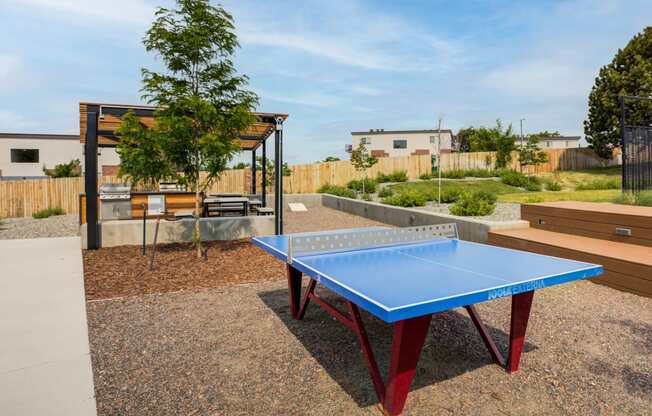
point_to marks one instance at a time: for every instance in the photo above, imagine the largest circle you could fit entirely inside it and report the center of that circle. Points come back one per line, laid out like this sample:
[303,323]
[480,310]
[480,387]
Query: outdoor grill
[115,201]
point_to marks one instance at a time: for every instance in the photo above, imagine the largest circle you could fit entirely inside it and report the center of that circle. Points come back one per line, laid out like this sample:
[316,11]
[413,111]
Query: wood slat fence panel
[23,198]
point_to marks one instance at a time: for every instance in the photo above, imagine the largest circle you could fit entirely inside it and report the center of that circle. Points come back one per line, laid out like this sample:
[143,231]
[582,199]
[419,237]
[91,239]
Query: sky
[335,66]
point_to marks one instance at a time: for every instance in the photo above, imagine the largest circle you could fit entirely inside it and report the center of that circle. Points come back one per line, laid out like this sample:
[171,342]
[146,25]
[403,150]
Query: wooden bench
[615,236]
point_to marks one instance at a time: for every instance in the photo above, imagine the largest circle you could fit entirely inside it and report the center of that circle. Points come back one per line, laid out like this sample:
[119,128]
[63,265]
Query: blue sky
[335,66]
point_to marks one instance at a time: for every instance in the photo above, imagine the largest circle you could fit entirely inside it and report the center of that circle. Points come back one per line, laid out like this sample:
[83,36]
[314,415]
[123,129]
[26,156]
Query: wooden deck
[591,232]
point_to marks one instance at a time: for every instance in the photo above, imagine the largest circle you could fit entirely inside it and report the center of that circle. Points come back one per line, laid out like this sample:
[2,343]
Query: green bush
[532,185]
[513,178]
[356,185]
[385,192]
[382,178]
[450,195]
[406,199]
[366,197]
[470,173]
[337,191]
[534,199]
[398,176]
[643,198]
[598,184]
[474,204]
[48,212]
[426,176]
[553,185]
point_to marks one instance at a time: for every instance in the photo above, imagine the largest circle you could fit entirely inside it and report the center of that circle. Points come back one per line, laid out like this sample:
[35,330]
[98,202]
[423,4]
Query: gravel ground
[56,226]
[503,211]
[236,351]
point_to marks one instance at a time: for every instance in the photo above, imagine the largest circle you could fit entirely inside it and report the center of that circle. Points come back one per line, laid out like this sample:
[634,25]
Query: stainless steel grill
[115,201]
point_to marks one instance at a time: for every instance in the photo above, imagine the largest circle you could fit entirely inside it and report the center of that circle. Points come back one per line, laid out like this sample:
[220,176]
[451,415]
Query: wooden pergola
[99,121]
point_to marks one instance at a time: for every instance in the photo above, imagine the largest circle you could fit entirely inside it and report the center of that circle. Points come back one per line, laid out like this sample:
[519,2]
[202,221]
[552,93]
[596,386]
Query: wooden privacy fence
[23,198]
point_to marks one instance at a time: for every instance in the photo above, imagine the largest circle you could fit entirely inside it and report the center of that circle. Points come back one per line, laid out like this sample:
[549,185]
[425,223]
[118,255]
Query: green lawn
[430,186]
[608,195]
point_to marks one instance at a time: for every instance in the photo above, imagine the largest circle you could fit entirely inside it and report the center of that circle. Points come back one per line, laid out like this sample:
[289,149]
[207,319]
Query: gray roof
[39,136]
[561,138]
[379,131]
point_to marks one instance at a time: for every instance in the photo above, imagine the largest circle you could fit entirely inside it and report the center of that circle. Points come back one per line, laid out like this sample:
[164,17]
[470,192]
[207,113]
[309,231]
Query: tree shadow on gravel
[453,346]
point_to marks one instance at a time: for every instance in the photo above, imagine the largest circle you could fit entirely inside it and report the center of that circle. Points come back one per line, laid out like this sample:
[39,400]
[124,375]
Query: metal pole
[151,262]
[622,143]
[439,161]
[278,177]
[90,181]
[263,167]
[253,171]
[522,120]
[144,228]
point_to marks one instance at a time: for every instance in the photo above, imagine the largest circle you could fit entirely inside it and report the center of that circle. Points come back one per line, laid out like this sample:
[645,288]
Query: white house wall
[382,141]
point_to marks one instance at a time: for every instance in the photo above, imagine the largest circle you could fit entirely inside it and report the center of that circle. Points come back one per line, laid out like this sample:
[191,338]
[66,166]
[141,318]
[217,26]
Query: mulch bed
[123,271]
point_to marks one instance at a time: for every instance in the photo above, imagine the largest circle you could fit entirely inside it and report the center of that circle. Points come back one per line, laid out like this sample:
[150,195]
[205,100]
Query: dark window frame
[22,155]
[402,144]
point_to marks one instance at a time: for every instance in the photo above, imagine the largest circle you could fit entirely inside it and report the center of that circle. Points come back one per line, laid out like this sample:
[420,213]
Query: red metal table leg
[294,290]
[521,305]
[486,337]
[407,342]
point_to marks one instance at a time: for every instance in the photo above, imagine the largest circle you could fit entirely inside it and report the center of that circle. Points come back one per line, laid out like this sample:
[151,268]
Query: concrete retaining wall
[130,232]
[469,229]
[309,200]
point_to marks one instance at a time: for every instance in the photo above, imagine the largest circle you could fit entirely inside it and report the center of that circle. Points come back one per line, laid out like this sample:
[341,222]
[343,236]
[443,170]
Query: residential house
[382,143]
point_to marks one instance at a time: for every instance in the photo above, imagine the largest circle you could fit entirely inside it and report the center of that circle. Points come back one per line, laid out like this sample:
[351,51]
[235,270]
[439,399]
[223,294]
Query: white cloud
[121,11]
[541,79]
[318,100]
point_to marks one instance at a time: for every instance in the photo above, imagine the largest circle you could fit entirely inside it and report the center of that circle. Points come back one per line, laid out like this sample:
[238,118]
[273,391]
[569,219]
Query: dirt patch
[123,271]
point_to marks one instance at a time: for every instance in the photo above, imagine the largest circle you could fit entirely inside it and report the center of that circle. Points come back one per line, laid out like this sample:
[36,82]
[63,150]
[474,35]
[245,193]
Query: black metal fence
[636,125]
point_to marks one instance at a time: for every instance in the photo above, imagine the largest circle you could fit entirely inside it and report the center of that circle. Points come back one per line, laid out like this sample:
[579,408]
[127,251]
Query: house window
[365,140]
[400,144]
[548,144]
[566,143]
[433,140]
[24,155]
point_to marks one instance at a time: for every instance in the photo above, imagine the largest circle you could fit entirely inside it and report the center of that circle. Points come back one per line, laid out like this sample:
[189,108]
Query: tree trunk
[197,233]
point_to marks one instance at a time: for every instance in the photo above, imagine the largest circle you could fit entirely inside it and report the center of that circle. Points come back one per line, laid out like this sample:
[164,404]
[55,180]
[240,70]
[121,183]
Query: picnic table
[223,205]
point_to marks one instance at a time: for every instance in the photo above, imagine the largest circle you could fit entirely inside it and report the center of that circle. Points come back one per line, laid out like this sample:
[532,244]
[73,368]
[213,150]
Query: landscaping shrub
[532,185]
[356,185]
[382,178]
[398,176]
[553,185]
[598,184]
[474,204]
[366,197]
[406,199]
[450,195]
[513,178]
[534,199]
[470,173]
[337,191]
[643,198]
[385,192]
[48,212]
[426,176]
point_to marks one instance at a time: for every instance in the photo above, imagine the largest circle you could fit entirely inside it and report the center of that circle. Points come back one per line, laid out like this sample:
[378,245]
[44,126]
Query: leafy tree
[71,169]
[629,73]
[461,139]
[362,161]
[332,159]
[530,154]
[241,165]
[494,139]
[202,104]
[270,169]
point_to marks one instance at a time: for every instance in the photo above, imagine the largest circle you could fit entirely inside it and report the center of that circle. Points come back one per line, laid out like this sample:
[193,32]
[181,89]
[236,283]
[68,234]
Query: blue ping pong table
[403,276]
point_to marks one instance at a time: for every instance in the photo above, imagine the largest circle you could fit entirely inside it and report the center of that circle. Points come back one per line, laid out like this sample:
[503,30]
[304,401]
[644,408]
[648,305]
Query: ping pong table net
[347,240]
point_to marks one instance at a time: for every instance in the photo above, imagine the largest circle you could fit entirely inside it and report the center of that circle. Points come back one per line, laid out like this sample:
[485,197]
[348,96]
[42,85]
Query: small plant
[513,178]
[48,212]
[426,176]
[366,197]
[398,176]
[629,198]
[599,184]
[470,173]
[385,192]
[382,178]
[406,199]
[532,185]
[553,185]
[368,185]
[454,174]
[534,199]
[451,195]
[337,191]
[474,204]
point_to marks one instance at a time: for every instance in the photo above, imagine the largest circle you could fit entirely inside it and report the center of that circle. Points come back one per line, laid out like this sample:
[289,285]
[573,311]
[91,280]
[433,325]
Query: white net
[343,240]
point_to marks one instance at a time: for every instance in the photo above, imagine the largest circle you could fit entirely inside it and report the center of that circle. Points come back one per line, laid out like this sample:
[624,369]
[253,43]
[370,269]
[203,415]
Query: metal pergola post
[278,176]
[263,167]
[623,186]
[90,181]
[253,171]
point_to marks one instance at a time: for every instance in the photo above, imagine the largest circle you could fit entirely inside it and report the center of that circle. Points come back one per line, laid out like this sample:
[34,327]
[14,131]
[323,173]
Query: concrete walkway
[45,366]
